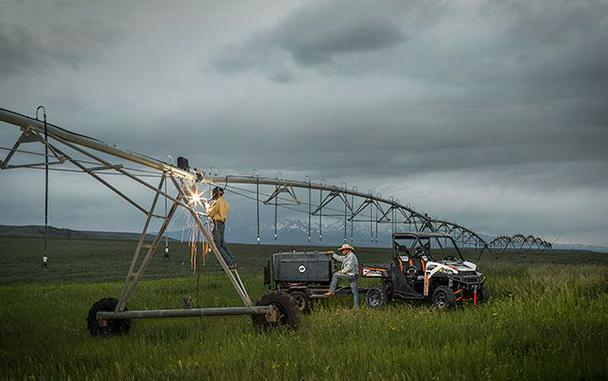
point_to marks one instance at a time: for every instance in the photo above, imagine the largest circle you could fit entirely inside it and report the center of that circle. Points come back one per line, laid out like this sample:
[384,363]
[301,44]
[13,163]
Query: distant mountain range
[38,231]
[289,232]
[295,232]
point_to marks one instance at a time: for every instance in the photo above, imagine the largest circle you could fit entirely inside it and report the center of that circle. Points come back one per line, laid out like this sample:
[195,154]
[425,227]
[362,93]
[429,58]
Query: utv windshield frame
[422,243]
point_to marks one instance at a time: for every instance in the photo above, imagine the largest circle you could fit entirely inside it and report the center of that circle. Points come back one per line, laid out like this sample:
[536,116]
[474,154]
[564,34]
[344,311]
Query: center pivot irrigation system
[98,159]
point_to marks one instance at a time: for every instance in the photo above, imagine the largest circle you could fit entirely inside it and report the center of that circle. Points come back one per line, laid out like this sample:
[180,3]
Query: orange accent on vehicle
[423,265]
[373,268]
[426,284]
[459,299]
[458,291]
[475,297]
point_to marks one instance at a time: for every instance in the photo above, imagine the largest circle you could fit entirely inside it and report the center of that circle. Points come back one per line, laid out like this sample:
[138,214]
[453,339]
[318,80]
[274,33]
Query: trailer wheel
[108,327]
[443,298]
[376,297]
[288,312]
[302,301]
[484,295]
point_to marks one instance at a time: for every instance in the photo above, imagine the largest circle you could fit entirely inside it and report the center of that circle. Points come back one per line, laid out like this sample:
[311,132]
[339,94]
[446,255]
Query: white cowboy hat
[346,246]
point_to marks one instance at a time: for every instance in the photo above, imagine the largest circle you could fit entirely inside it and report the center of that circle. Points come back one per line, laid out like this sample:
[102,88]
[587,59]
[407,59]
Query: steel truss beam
[31,132]
[387,210]
[519,243]
[280,189]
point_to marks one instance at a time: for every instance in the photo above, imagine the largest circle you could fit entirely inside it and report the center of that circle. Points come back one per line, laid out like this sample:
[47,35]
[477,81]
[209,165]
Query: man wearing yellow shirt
[218,212]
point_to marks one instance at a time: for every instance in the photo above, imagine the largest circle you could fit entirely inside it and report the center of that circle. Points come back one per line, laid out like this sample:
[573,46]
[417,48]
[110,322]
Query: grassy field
[548,320]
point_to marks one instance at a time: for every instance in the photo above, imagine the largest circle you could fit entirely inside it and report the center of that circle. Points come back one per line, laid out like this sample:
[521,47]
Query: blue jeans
[353,285]
[218,237]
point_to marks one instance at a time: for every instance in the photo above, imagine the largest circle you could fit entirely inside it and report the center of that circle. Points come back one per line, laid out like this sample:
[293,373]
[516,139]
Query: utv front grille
[469,277]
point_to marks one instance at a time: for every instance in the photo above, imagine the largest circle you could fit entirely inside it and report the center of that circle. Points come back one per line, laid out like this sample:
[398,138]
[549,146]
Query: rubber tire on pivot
[443,298]
[376,297]
[285,303]
[302,301]
[113,327]
[483,295]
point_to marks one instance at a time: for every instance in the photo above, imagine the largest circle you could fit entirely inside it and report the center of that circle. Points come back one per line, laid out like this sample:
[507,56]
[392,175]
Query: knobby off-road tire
[376,297]
[112,327]
[443,298]
[484,295]
[302,301]
[287,307]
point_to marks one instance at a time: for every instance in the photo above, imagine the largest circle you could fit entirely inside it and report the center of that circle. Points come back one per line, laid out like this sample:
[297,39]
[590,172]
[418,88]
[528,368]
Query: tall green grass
[548,320]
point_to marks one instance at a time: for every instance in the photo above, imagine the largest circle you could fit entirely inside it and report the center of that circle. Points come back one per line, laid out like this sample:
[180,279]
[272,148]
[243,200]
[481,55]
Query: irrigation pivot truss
[94,158]
[320,201]
[346,204]
[518,243]
[178,186]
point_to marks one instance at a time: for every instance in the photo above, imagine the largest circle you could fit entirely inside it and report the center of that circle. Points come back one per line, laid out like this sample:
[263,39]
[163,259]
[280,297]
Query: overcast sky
[492,113]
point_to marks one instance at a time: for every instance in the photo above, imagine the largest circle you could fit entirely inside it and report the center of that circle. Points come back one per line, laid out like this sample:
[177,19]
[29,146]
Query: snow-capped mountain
[293,231]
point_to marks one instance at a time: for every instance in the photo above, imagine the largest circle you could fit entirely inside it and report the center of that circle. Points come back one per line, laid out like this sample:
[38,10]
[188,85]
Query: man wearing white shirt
[350,271]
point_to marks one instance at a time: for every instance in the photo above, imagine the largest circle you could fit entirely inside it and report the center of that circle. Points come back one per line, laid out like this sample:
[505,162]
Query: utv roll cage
[418,244]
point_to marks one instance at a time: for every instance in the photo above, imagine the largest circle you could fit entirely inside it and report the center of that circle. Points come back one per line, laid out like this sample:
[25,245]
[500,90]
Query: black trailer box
[302,267]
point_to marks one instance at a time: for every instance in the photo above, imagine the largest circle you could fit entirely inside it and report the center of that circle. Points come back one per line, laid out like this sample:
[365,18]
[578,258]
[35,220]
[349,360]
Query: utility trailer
[305,276]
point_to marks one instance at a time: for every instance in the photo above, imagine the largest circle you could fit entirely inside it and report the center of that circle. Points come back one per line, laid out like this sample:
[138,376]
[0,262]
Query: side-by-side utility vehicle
[426,266]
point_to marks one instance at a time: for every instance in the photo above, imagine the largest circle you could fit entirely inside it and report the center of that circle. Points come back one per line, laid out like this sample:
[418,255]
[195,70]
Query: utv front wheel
[376,297]
[443,298]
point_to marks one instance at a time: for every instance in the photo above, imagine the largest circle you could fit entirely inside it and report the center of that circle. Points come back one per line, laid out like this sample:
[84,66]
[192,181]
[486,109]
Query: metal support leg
[233,275]
[140,243]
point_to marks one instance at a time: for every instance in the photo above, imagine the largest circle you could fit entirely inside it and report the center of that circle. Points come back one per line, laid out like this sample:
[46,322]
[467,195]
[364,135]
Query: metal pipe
[300,184]
[46,184]
[257,206]
[179,313]
[26,122]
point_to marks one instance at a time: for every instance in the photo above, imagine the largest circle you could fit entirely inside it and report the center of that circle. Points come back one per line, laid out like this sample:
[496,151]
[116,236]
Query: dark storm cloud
[37,44]
[317,33]
[321,33]
[491,113]
[18,50]
[503,83]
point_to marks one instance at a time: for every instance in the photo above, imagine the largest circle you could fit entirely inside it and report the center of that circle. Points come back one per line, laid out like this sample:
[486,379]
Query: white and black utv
[426,266]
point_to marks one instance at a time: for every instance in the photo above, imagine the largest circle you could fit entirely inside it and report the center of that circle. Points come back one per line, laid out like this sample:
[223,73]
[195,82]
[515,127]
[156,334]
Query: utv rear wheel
[443,298]
[286,312]
[302,301]
[376,297]
[106,328]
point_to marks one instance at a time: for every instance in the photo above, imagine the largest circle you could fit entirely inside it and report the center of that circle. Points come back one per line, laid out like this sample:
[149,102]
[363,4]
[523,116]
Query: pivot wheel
[376,297]
[106,328]
[285,313]
[443,298]
[302,301]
